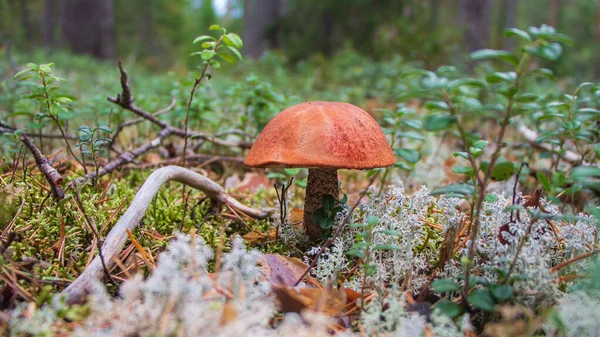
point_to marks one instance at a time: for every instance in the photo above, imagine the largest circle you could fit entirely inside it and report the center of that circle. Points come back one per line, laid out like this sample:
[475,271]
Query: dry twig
[118,235]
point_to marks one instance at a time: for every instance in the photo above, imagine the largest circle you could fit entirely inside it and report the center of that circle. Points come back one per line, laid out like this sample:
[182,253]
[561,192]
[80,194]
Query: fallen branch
[52,176]
[125,100]
[116,238]
[141,119]
[195,159]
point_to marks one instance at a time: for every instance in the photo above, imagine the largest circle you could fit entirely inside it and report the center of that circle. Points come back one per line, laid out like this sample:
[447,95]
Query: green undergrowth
[41,225]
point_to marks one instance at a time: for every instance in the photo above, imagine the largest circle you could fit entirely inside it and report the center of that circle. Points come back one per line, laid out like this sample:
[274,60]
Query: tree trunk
[512,12]
[49,23]
[26,22]
[476,14]
[88,27]
[260,31]
[434,17]
[597,39]
[553,11]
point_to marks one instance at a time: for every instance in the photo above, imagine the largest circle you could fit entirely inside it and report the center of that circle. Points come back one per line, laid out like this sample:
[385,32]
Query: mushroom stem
[320,182]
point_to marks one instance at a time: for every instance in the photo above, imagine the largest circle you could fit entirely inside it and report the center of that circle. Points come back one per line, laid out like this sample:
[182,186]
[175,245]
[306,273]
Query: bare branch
[117,236]
[52,176]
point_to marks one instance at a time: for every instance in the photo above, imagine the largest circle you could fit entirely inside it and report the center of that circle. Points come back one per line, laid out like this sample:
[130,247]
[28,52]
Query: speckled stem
[320,182]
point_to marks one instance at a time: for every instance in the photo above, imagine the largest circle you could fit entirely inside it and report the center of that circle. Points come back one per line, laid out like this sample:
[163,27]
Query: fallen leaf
[296,215]
[228,314]
[283,270]
[252,182]
[256,236]
[327,301]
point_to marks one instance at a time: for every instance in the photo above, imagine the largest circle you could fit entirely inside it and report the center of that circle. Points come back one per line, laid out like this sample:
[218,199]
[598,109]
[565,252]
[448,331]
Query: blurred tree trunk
[597,39]
[49,23]
[434,17]
[26,21]
[512,12]
[88,27]
[475,20]
[260,31]
[553,11]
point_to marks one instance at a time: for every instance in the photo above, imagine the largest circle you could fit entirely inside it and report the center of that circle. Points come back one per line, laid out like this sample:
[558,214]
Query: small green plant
[402,125]
[454,101]
[53,105]
[259,100]
[288,173]
[92,145]
[325,216]
[226,47]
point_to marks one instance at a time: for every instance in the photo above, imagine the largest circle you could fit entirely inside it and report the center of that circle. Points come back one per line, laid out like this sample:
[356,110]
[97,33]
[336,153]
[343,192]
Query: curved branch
[117,236]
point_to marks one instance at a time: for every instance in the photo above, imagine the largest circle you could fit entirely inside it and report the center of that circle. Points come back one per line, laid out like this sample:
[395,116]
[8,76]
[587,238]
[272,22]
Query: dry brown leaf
[327,301]
[228,314]
[256,236]
[252,182]
[296,215]
[283,270]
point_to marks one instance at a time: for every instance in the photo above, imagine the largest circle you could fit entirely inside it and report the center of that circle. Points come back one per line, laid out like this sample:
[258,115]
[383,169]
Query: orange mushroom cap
[324,135]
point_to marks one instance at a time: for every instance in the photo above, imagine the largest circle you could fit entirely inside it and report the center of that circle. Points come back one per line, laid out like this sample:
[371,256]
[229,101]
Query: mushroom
[323,137]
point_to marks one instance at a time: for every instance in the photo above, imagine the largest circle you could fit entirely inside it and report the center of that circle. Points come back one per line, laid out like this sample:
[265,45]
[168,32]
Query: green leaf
[21,73]
[356,253]
[436,105]
[482,299]
[584,172]
[45,68]
[444,286]
[235,52]
[461,154]
[410,155]
[449,308]
[526,98]
[413,124]
[437,122]
[463,189]
[411,135]
[543,179]
[550,52]
[276,175]
[105,128]
[501,292]
[215,27]
[523,35]
[203,38]
[502,170]
[233,40]
[228,58]
[471,82]
[207,54]
[328,202]
[543,72]
[468,170]
[498,77]
[387,247]
[480,144]
[372,220]
[33,66]
[495,54]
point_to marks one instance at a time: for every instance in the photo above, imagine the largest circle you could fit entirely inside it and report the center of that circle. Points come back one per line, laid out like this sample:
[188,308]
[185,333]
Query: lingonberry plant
[53,105]
[505,97]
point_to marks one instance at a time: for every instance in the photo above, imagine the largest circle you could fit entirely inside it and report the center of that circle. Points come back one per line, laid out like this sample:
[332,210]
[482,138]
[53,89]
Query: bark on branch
[116,238]
[52,176]
[125,100]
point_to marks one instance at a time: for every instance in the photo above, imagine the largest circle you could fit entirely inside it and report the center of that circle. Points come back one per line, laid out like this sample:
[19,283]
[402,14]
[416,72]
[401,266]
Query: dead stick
[118,235]
[52,176]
